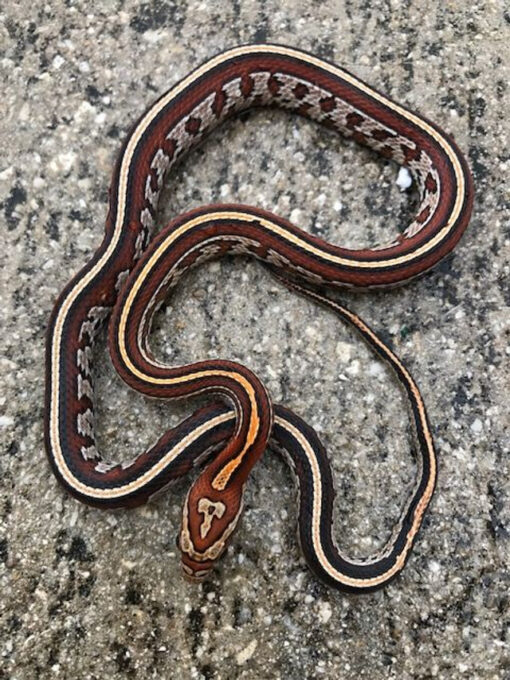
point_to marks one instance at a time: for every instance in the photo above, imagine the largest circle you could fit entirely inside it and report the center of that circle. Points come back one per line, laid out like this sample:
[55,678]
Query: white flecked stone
[89,593]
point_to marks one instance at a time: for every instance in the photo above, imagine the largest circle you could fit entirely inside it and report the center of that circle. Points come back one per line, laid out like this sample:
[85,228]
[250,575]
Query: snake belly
[241,78]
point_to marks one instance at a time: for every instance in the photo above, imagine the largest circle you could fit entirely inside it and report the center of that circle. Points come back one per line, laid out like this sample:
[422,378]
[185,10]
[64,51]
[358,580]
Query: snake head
[208,521]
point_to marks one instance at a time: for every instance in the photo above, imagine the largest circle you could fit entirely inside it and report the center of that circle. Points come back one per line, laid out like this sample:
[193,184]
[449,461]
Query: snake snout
[193,571]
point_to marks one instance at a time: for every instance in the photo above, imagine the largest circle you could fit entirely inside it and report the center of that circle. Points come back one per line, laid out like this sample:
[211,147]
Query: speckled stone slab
[90,594]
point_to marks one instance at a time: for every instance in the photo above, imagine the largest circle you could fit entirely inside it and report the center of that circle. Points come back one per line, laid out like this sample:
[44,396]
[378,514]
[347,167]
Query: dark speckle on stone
[113,131]
[7,508]
[133,593]
[93,94]
[477,107]
[290,606]
[16,197]
[12,448]
[195,628]
[236,609]
[159,14]
[405,331]
[77,215]
[499,505]
[86,586]
[260,35]
[4,552]
[387,659]
[435,48]
[208,672]
[324,47]
[73,549]
[122,658]
[477,157]
[51,226]
[452,101]
[13,623]
[78,550]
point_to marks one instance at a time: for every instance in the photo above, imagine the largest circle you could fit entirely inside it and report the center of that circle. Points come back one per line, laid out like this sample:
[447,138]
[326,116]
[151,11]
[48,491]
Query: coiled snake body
[131,277]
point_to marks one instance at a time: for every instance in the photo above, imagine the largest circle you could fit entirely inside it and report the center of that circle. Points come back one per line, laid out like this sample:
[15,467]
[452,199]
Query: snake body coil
[132,278]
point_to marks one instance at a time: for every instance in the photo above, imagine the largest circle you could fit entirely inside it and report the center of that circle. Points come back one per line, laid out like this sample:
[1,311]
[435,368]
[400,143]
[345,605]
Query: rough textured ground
[89,594]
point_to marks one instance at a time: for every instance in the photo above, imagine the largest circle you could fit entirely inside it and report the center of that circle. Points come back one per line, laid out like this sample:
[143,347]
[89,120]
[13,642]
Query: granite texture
[91,594]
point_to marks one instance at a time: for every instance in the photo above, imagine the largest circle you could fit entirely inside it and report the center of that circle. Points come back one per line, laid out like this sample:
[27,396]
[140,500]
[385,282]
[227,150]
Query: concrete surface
[91,594]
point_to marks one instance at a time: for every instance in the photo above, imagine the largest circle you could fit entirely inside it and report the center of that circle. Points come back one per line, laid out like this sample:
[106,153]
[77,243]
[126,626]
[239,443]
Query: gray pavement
[91,594]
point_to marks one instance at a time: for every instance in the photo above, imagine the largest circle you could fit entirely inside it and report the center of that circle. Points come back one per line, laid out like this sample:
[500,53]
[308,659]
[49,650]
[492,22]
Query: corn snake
[132,276]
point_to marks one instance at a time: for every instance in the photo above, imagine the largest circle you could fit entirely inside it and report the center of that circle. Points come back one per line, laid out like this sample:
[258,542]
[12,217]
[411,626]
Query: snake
[132,272]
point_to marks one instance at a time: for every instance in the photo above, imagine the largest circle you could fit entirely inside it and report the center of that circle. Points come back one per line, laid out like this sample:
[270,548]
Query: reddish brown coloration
[193,125]
[300,91]
[232,500]
[386,151]
[380,134]
[219,103]
[354,119]
[328,104]
[430,184]
[359,137]
[172,130]
[423,215]
[274,85]
[169,146]
[247,86]
[303,109]
[411,154]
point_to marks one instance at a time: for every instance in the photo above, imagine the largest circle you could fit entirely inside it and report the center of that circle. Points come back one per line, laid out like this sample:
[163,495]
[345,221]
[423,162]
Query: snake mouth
[193,571]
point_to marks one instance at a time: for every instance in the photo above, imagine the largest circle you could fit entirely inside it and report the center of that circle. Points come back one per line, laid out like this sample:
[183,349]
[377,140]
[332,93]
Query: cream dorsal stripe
[247,76]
